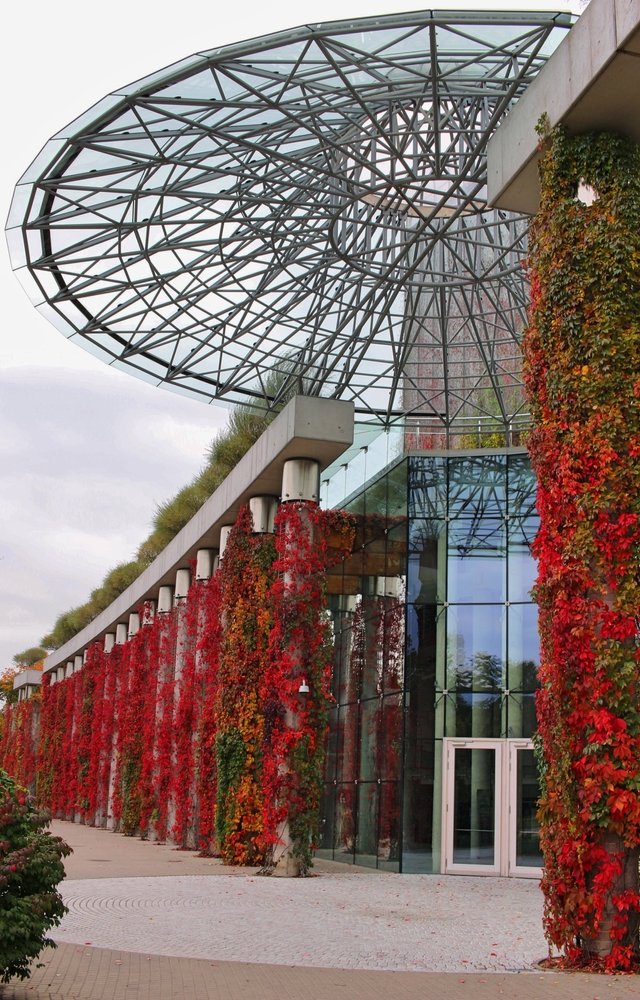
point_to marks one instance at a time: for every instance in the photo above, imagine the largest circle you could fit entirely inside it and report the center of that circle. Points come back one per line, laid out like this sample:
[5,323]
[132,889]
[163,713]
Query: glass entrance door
[489,808]
[472,827]
[525,858]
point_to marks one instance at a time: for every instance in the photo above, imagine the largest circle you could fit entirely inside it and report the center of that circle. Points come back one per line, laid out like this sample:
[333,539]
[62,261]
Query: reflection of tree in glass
[523,676]
[480,672]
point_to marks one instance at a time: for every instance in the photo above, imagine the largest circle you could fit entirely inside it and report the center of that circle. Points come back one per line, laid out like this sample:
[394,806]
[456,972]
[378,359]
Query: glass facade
[436,636]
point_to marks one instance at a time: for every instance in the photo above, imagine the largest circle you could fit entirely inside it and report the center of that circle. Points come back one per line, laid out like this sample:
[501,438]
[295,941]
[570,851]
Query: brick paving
[75,971]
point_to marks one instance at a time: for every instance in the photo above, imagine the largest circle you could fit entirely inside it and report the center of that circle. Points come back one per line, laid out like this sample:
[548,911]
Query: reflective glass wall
[436,635]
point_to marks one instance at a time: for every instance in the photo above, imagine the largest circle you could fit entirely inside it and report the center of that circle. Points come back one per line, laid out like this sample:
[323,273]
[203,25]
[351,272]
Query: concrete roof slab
[308,427]
[590,83]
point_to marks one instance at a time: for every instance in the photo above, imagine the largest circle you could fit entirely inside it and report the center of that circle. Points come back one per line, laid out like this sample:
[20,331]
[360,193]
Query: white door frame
[505,801]
[520,871]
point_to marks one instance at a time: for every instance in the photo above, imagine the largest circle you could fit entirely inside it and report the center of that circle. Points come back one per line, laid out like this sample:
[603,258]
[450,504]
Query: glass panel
[428,487]
[392,641]
[522,567]
[427,562]
[475,647]
[371,676]
[331,746]
[397,493]
[347,743]
[390,738]
[477,486]
[527,830]
[476,562]
[477,715]
[389,826]
[474,806]
[521,716]
[522,487]
[367,828]
[419,737]
[327,822]
[369,733]
[345,822]
[523,647]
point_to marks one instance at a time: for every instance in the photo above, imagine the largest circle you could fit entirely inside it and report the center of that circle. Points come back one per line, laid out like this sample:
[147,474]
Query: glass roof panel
[310,203]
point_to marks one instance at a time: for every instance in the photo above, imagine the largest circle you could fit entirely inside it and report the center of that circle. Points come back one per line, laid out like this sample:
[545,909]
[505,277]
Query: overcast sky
[87,452]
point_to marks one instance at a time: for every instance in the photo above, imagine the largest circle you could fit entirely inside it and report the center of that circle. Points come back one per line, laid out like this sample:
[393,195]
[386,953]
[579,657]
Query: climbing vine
[308,542]
[208,725]
[582,371]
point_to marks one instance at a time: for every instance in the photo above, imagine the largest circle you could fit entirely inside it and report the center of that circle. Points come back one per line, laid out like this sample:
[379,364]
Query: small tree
[31,657]
[7,693]
[30,869]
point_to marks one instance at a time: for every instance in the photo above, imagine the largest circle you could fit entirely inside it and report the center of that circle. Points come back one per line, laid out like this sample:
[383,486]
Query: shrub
[30,869]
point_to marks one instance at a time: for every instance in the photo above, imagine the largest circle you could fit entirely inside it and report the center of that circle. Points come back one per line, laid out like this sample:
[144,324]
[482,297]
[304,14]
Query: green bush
[30,869]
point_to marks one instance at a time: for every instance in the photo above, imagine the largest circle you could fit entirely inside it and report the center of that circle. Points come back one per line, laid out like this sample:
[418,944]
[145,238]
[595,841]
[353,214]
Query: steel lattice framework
[302,210]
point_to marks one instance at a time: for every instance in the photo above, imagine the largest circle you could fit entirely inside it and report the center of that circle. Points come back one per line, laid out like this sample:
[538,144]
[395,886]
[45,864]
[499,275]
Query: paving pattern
[165,905]
[347,921]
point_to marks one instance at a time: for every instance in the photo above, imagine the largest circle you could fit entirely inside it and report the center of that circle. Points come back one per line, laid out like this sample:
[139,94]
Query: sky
[87,452]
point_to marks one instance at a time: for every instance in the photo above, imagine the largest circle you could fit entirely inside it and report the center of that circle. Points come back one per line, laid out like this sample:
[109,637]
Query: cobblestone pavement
[145,933]
[401,922]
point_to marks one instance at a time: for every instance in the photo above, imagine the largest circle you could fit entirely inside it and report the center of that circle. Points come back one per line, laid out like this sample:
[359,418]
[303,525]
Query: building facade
[430,763]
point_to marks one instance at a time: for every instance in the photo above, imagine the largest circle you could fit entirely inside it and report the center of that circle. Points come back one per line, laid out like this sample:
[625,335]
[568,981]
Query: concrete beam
[590,83]
[31,677]
[308,427]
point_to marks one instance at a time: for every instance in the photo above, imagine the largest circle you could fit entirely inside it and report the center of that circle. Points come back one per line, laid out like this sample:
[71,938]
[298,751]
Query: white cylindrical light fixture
[225,531]
[165,599]
[204,563]
[263,511]
[300,479]
[183,582]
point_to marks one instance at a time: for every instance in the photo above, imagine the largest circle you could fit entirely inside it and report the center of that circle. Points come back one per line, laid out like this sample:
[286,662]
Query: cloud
[84,460]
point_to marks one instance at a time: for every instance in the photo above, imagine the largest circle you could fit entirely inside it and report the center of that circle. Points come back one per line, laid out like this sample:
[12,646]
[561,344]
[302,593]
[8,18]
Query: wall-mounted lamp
[304,687]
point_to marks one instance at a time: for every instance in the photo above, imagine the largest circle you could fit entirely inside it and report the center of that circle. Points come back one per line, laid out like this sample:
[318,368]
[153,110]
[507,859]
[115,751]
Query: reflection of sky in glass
[524,641]
[522,568]
[476,564]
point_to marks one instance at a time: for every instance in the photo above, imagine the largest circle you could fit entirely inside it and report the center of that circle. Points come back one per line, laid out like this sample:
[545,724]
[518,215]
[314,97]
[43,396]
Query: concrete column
[183,582]
[204,563]
[122,635]
[78,663]
[68,668]
[109,641]
[165,599]
[300,481]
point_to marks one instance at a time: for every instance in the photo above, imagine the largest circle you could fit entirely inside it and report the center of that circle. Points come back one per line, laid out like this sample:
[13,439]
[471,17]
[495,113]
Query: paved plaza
[147,921]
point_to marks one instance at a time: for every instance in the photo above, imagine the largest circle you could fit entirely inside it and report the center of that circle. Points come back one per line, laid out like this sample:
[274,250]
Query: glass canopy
[304,210]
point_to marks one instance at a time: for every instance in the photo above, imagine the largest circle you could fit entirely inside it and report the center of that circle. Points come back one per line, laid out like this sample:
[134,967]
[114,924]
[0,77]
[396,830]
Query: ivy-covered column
[582,368]
[297,680]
